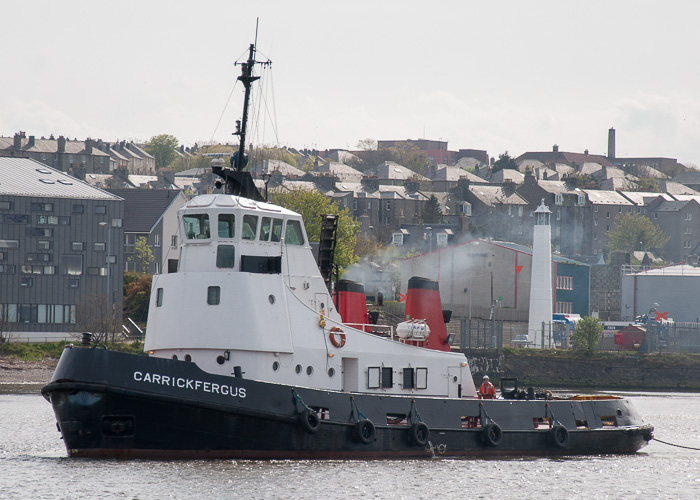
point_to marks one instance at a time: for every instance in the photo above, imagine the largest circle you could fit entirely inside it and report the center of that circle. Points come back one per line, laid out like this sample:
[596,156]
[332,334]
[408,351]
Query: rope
[414,411]
[555,420]
[481,408]
[356,408]
[297,399]
[676,445]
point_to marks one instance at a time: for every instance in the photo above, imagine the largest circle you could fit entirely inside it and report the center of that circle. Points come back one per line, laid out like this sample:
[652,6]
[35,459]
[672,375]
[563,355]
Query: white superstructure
[248,293]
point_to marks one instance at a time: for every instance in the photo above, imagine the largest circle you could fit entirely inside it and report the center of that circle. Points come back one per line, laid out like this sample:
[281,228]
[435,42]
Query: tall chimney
[555,149]
[611,144]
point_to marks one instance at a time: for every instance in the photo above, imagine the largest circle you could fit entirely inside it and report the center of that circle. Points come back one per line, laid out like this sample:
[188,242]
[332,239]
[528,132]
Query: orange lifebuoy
[336,333]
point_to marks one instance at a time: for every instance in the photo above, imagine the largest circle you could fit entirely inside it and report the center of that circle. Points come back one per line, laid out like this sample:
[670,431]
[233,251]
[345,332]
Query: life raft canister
[337,337]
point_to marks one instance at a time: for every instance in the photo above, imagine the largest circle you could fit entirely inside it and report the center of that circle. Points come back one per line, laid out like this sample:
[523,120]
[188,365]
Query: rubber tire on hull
[310,421]
[492,435]
[419,433]
[560,436]
[364,431]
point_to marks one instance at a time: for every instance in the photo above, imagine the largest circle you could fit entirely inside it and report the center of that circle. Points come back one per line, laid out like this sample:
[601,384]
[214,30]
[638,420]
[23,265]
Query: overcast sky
[495,75]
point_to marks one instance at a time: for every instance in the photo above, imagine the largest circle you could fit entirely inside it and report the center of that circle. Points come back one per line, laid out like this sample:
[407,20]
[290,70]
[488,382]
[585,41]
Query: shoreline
[25,377]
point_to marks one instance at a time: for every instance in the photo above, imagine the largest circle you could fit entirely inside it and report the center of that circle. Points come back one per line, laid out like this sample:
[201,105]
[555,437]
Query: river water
[34,465]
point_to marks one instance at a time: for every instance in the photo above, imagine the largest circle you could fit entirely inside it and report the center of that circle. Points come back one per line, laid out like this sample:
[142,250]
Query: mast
[247,79]
[237,181]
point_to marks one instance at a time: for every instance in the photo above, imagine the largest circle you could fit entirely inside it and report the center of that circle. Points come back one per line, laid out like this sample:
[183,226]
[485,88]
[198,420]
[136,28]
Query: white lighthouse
[541,280]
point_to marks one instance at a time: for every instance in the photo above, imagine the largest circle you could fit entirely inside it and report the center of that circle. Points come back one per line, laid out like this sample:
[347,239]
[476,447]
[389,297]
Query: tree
[505,161]
[95,314]
[137,294]
[632,231]
[144,256]
[431,210]
[310,204]
[588,332]
[648,185]
[273,153]
[162,147]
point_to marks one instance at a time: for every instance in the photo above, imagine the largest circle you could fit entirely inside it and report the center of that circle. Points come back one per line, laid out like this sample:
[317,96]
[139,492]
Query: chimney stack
[611,144]
[61,144]
[555,149]
[31,142]
[18,140]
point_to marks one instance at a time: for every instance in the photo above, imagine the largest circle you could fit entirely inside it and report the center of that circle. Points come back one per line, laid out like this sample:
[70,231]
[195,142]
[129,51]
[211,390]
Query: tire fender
[309,421]
[364,431]
[560,436]
[492,435]
[419,433]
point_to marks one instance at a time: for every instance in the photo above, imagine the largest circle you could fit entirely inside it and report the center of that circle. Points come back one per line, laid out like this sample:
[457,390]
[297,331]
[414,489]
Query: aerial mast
[247,78]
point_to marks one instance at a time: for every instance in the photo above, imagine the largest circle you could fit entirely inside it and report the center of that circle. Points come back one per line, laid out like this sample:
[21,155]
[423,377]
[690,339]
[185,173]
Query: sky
[500,76]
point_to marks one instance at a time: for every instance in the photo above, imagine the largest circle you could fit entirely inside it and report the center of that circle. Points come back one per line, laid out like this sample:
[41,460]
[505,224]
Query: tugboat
[249,355]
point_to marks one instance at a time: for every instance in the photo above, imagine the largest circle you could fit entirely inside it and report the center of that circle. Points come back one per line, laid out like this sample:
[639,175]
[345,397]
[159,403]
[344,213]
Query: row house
[603,206]
[138,161]
[498,211]
[390,173]
[568,205]
[680,220]
[444,178]
[74,157]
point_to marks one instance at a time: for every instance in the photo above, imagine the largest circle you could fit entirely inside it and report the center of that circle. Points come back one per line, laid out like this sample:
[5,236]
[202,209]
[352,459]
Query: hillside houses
[584,191]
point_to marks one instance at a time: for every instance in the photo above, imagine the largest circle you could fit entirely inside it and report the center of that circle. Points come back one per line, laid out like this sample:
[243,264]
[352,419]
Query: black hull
[104,408]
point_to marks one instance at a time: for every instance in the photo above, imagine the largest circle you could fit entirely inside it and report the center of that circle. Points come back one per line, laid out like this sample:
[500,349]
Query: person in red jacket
[487,390]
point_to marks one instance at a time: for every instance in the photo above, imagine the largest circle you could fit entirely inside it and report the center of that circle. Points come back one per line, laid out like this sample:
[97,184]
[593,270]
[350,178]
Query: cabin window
[227,225]
[225,256]
[408,378]
[159,297]
[387,378]
[373,377]
[250,227]
[197,226]
[276,230]
[421,378]
[265,229]
[293,234]
[213,295]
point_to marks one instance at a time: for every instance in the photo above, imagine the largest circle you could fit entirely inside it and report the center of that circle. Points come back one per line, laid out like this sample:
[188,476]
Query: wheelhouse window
[276,236]
[159,297]
[293,234]
[227,225]
[225,256]
[250,227]
[213,295]
[265,229]
[197,226]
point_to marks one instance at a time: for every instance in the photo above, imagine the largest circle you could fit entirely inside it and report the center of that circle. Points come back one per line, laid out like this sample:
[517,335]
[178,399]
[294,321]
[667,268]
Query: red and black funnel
[351,303]
[423,302]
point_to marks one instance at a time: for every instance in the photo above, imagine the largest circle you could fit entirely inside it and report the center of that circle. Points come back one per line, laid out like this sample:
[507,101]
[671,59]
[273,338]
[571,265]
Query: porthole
[271,298]
[454,379]
[309,370]
[331,372]
[275,366]
[220,359]
[188,357]
[175,357]
[298,369]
